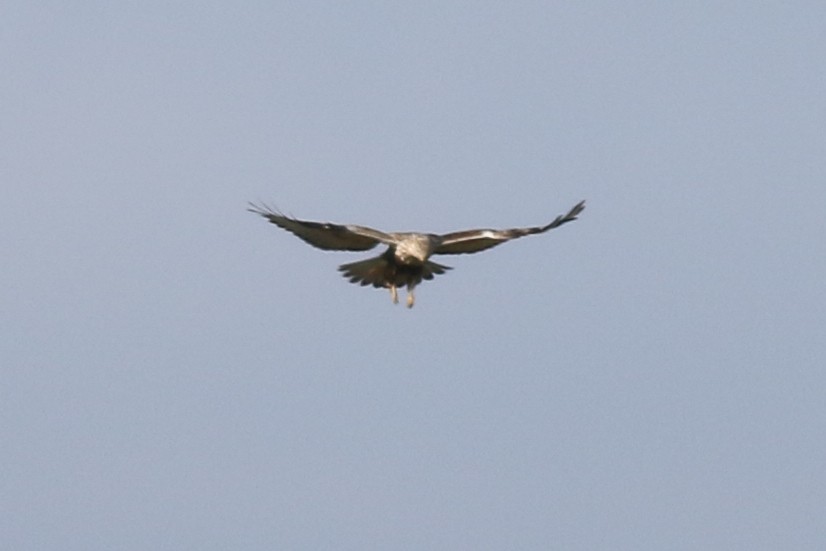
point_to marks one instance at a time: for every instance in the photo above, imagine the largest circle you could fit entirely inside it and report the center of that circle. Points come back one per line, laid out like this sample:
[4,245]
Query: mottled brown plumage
[405,262]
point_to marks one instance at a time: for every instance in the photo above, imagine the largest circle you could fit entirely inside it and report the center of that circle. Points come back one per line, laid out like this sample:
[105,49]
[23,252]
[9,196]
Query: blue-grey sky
[179,374]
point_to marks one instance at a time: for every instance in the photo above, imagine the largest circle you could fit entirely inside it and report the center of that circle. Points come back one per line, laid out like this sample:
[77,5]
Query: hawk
[406,260]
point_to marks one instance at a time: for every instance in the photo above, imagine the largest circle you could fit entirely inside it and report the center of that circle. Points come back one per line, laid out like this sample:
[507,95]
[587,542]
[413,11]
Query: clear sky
[178,374]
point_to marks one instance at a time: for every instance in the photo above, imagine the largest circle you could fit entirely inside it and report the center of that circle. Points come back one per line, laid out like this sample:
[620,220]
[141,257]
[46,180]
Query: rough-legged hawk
[406,260]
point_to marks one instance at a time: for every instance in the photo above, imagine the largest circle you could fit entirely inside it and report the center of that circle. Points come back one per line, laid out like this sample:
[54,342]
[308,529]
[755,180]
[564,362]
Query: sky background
[178,374]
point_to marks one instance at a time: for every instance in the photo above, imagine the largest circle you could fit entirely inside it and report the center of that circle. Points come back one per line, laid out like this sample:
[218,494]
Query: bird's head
[414,248]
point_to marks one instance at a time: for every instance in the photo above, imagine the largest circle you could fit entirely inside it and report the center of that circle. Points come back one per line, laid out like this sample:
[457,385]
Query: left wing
[473,241]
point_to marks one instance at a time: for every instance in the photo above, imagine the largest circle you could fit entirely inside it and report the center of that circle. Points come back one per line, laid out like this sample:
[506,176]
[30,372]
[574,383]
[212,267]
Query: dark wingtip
[262,209]
[578,208]
[564,218]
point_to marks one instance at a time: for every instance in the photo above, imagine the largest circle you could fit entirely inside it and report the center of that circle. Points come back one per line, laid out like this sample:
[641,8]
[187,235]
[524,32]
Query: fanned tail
[373,271]
[431,268]
[383,271]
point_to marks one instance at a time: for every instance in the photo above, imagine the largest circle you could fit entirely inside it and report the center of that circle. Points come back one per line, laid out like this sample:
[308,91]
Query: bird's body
[392,271]
[414,248]
[406,262]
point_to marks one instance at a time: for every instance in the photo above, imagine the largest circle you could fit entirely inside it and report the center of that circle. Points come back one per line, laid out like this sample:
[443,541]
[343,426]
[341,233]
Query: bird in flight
[406,260]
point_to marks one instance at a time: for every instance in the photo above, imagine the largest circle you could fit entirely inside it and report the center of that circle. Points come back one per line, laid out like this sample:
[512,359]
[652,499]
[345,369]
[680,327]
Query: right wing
[324,235]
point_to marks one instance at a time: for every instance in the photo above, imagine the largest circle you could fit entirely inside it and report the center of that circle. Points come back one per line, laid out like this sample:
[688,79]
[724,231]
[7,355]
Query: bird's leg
[411,298]
[394,294]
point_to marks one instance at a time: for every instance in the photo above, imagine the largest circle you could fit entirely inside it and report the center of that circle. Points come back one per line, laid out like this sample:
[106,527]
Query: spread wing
[472,241]
[324,235]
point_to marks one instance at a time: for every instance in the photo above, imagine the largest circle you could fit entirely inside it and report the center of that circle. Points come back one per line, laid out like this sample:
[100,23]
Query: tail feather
[382,271]
[373,271]
[431,269]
